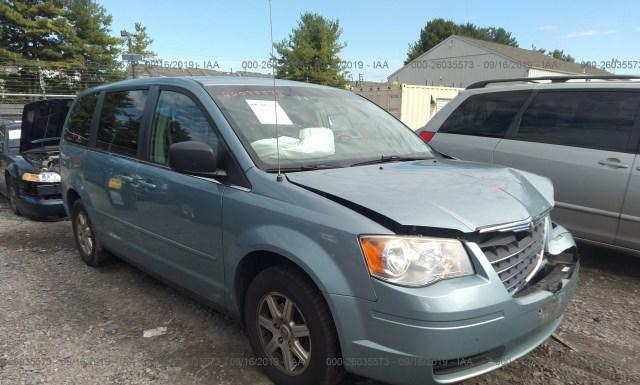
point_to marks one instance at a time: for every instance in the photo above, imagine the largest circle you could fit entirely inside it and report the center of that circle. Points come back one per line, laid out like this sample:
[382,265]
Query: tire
[88,245]
[12,195]
[283,283]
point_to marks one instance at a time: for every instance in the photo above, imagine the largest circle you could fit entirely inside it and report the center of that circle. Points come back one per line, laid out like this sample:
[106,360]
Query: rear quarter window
[602,120]
[488,114]
[80,119]
[120,121]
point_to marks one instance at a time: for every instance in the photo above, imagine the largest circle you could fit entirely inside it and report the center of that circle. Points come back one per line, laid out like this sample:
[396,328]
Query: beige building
[459,61]
[413,105]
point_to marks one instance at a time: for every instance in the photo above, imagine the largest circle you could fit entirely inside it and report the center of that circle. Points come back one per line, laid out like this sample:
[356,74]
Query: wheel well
[72,196]
[251,265]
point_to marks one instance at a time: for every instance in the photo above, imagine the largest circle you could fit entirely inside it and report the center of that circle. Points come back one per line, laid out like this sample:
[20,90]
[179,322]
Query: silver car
[583,135]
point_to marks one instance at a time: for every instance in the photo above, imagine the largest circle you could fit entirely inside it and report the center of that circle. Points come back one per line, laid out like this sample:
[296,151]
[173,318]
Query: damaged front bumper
[561,261]
[41,201]
[457,328]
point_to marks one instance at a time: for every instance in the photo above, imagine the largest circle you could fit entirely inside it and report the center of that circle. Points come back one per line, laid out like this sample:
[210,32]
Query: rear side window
[485,114]
[178,118]
[602,120]
[120,121]
[79,123]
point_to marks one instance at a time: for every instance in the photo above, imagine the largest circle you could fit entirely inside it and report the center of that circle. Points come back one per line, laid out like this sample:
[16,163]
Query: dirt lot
[62,322]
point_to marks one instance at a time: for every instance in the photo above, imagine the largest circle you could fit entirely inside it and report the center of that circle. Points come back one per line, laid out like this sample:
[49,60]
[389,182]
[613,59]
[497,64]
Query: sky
[232,35]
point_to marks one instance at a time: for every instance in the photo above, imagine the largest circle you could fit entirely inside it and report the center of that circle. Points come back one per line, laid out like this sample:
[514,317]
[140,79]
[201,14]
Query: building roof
[533,58]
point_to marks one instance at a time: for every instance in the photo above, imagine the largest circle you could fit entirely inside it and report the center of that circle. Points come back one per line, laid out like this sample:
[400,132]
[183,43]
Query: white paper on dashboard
[14,134]
[266,110]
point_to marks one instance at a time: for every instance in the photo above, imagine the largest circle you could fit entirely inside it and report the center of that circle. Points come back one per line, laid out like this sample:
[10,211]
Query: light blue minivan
[338,238]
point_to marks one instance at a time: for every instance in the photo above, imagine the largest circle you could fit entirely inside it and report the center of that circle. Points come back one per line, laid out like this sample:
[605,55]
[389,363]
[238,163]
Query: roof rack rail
[553,79]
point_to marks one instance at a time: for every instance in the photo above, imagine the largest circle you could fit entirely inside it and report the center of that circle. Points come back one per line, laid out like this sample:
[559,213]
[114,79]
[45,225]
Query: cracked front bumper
[457,328]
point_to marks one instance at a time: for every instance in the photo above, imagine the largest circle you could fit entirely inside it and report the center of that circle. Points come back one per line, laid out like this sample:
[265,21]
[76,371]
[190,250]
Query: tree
[560,55]
[57,46]
[93,41]
[35,30]
[556,54]
[140,41]
[311,52]
[438,30]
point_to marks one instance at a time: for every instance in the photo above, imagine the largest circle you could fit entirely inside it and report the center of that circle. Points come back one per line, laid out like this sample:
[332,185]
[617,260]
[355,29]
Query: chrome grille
[515,255]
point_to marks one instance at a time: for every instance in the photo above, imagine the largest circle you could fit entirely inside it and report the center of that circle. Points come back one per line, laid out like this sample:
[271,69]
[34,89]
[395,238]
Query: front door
[180,215]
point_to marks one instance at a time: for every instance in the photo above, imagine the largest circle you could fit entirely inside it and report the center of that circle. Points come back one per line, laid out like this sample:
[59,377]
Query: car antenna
[275,97]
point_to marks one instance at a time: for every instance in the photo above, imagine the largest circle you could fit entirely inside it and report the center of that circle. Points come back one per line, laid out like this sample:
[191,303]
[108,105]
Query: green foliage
[556,54]
[559,54]
[311,52]
[92,40]
[35,30]
[140,41]
[438,30]
[63,44]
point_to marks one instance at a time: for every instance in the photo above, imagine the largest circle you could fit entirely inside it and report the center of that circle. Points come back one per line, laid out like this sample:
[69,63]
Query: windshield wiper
[306,167]
[390,158]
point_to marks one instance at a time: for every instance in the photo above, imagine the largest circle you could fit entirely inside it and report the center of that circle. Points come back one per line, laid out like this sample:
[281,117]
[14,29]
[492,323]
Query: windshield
[316,127]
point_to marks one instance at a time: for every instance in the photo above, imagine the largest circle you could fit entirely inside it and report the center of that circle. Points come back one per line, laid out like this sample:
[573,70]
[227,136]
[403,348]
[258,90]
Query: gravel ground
[62,322]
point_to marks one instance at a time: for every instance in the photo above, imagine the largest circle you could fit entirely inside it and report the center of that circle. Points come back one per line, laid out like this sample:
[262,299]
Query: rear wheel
[291,330]
[90,249]
[12,193]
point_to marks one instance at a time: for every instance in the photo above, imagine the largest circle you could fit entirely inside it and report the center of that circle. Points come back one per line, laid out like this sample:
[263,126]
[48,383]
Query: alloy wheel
[284,334]
[84,233]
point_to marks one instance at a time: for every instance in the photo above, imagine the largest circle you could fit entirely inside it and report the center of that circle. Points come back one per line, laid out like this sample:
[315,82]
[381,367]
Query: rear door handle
[612,162]
[127,178]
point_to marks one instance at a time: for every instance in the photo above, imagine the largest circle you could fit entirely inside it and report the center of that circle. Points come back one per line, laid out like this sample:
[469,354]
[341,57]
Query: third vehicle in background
[29,160]
[583,133]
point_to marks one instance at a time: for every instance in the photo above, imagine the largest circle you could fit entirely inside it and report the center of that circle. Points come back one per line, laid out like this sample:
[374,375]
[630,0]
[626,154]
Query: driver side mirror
[194,158]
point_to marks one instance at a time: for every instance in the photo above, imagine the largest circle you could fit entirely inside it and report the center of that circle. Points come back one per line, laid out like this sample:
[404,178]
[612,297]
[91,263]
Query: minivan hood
[436,193]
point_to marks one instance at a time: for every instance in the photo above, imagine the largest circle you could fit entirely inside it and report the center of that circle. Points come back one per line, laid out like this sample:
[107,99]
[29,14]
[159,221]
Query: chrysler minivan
[340,240]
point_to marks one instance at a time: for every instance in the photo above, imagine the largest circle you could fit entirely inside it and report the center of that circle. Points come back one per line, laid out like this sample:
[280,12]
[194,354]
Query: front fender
[17,166]
[327,259]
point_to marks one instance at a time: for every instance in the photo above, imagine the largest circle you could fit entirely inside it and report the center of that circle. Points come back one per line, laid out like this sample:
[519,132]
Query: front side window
[79,122]
[178,118]
[120,121]
[600,120]
[487,115]
[316,127]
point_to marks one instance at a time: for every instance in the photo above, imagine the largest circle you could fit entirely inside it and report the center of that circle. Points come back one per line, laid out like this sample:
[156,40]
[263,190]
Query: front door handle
[127,178]
[146,184]
[613,162]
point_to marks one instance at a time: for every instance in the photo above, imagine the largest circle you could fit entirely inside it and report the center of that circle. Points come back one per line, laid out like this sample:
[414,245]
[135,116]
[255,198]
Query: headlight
[43,177]
[415,261]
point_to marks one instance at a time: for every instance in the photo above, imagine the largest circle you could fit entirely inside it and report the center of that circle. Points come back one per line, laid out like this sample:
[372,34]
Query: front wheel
[291,330]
